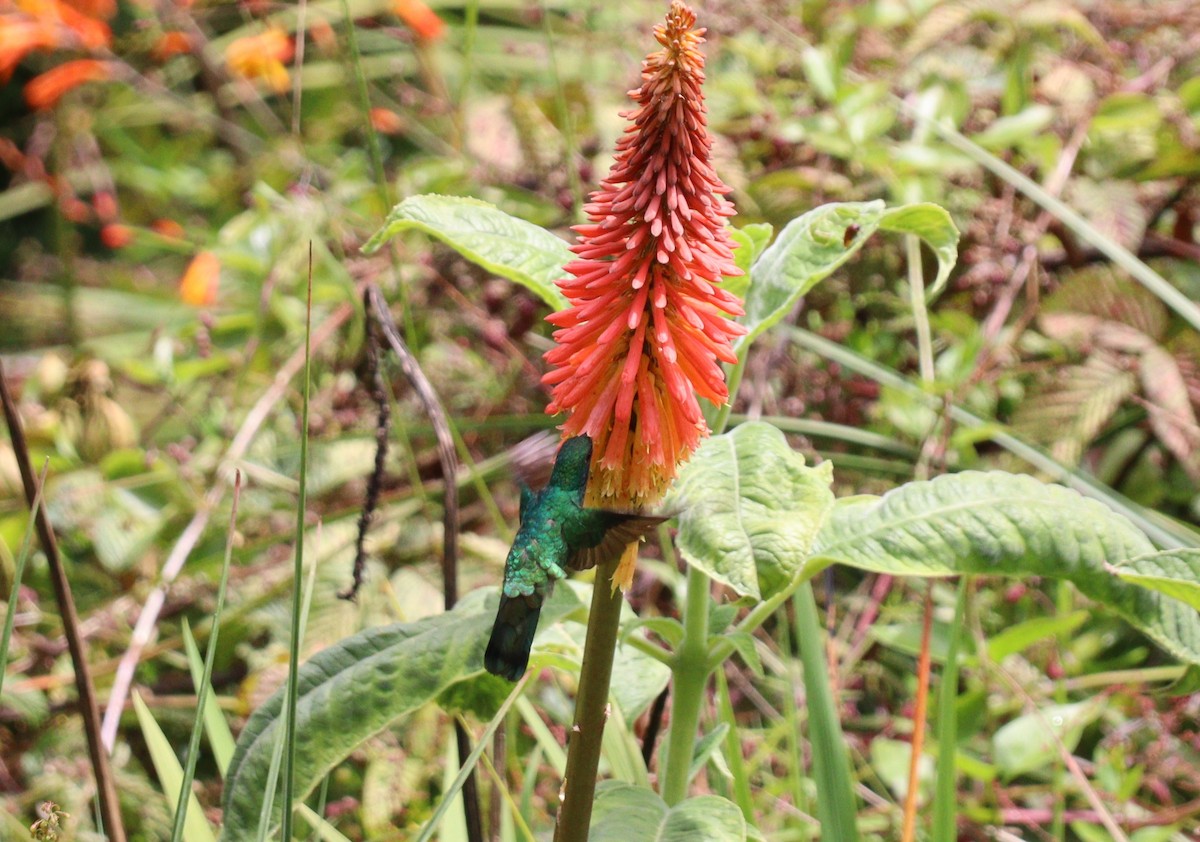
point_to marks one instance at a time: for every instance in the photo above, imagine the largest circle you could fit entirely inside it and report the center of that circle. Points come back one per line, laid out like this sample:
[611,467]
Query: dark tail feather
[507,652]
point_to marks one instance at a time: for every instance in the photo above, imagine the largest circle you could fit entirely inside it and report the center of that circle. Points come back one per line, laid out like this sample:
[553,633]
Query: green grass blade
[202,687]
[945,804]
[293,686]
[170,774]
[435,820]
[733,748]
[321,828]
[837,807]
[220,738]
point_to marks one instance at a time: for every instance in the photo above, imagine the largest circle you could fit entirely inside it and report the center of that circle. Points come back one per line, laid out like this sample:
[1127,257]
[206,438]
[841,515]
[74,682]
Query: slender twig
[202,691]
[143,630]
[106,789]
[449,464]
[918,733]
[382,426]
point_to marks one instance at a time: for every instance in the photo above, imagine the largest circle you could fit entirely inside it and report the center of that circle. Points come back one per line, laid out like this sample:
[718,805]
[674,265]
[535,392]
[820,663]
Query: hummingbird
[557,534]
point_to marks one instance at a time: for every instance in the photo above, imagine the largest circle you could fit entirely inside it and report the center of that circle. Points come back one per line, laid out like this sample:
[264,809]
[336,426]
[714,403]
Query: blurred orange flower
[646,333]
[94,8]
[386,121]
[105,204]
[172,43]
[28,25]
[44,91]
[199,284]
[114,235]
[91,32]
[167,228]
[323,36]
[18,38]
[262,56]
[421,19]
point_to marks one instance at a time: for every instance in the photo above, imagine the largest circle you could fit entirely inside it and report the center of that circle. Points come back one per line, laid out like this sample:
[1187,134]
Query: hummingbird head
[571,465]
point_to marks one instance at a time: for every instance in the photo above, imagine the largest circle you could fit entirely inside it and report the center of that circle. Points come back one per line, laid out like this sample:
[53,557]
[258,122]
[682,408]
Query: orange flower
[88,31]
[322,35]
[105,204]
[645,332]
[421,19]
[167,228]
[199,284]
[18,37]
[261,56]
[75,209]
[386,121]
[94,8]
[172,43]
[43,92]
[114,235]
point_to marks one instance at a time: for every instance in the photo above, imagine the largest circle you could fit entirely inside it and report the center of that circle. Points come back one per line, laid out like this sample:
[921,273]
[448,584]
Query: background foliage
[155,227]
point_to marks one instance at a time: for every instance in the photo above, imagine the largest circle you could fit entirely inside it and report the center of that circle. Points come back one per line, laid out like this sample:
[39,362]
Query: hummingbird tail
[507,652]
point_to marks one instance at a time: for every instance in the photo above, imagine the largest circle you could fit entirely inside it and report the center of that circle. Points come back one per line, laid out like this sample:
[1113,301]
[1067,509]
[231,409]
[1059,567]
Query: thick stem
[691,675]
[591,707]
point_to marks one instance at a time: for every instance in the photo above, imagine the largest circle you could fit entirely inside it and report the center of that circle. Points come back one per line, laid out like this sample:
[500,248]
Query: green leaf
[743,642]
[708,748]
[806,252]
[357,688]
[1023,635]
[1030,742]
[890,759]
[487,236]
[749,509]
[623,812]
[813,245]
[1175,573]
[1007,525]
[932,223]
[751,240]
[170,774]
[1008,131]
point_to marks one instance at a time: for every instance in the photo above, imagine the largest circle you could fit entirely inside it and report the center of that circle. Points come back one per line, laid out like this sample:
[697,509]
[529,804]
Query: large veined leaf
[624,812]
[487,236]
[355,689]
[1007,525]
[749,509]
[1175,573]
[814,244]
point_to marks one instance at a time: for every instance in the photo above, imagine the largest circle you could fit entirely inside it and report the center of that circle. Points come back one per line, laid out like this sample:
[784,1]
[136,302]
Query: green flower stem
[692,669]
[591,703]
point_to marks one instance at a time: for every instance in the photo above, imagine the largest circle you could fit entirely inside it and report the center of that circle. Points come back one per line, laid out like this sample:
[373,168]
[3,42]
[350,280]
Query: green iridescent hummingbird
[557,534]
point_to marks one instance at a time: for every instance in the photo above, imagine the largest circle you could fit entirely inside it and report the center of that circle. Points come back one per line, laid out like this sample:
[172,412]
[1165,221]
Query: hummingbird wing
[614,531]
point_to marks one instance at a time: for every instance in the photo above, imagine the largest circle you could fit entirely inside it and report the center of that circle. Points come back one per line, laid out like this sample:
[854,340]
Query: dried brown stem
[106,789]
[919,716]
[448,458]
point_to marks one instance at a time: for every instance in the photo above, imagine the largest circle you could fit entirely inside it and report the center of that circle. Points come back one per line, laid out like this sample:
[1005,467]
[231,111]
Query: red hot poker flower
[645,332]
